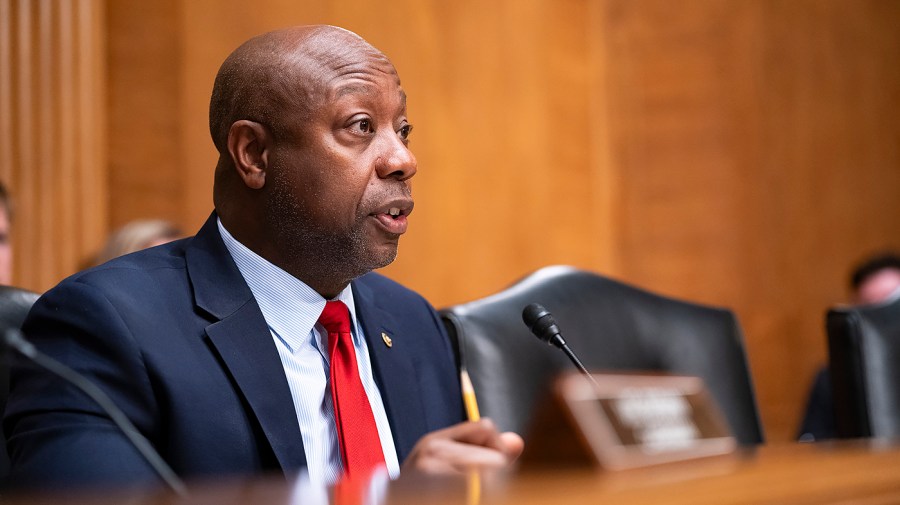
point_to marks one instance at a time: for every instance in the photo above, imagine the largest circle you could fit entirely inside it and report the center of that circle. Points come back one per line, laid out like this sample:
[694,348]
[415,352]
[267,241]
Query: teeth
[394,212]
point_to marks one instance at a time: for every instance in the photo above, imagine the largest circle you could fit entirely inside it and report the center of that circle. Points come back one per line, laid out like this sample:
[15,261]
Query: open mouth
[394,219]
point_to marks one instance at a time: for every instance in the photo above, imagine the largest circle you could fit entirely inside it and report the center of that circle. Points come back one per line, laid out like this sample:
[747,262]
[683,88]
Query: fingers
[439,455]
[464,446]
[513,443]
[482,433]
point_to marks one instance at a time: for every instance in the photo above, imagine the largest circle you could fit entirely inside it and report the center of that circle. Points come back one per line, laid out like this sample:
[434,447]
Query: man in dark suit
[211,344]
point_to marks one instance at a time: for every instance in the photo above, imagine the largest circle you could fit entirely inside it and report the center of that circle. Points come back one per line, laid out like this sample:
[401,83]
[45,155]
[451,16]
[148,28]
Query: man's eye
[405,131]
[365,126]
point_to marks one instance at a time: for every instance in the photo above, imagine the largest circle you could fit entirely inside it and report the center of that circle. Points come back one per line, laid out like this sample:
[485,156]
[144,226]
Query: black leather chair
[864,359]
[610,326]
[14,306]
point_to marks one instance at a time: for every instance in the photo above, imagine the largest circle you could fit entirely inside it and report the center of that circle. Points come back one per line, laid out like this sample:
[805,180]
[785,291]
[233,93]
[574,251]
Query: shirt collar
[290,307]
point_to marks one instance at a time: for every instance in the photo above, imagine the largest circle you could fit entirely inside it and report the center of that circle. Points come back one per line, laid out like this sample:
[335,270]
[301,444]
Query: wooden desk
[866,474]
[797,474]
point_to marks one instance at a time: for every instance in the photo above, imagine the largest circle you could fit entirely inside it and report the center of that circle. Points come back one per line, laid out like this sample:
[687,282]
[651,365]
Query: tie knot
[335,317]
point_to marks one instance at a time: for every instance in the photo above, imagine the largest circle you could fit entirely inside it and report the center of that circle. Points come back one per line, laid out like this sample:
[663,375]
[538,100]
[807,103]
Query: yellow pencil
[473,495]
[468,393]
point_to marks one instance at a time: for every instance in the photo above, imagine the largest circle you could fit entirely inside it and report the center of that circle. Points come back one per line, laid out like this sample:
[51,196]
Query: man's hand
[464,446]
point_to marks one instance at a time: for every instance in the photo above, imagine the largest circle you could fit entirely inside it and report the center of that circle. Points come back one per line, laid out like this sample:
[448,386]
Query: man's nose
[396,161]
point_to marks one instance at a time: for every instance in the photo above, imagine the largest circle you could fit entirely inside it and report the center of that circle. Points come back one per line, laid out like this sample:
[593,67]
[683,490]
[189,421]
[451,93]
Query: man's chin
[373,258]
[384,257]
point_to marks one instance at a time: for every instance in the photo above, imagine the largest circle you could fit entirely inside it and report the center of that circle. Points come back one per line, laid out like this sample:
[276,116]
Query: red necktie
[357,434]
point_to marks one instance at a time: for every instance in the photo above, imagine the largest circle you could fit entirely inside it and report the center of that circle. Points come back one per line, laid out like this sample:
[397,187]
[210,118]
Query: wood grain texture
[146,169]
[52,134]
[740,153]
[757,150]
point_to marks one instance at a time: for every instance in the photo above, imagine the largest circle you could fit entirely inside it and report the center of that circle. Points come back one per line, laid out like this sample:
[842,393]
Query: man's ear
[248,144]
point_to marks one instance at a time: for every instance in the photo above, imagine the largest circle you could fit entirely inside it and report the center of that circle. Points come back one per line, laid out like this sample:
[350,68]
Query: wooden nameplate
[626,421]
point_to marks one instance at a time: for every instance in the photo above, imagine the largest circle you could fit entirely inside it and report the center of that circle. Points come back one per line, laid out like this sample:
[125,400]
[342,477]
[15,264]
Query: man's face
[879,286]
[338,179]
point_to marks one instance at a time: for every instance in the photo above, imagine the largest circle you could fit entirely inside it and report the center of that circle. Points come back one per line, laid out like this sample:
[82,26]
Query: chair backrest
[610,326]
[864,358]
[14,306]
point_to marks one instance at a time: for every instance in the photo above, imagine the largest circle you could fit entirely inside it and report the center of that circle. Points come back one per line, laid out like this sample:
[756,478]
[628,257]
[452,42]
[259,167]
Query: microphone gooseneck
[14,339]
[540,321]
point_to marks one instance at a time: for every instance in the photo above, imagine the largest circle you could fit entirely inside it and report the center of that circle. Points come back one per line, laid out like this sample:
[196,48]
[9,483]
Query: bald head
[314,162]
[279,77]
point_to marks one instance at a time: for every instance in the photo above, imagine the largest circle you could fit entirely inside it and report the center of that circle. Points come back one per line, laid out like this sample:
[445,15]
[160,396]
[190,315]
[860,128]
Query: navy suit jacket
[175,337]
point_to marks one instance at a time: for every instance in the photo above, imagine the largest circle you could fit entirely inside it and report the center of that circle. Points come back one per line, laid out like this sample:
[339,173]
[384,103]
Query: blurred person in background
[137,235]
[5,239]
[875,280]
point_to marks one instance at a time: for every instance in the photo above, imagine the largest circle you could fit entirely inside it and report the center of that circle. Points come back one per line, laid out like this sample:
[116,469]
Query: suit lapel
[242,339]
[394,371]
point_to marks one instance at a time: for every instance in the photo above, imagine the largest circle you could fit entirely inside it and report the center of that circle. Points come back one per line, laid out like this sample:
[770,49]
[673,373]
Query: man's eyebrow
[364,89]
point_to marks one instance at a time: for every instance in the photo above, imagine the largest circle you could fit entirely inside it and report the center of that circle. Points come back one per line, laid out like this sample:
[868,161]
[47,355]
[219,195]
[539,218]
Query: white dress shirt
[291,310]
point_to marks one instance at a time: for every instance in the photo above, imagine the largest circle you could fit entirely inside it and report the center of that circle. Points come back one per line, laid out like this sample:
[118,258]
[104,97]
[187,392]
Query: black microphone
[541,323]
[14,339]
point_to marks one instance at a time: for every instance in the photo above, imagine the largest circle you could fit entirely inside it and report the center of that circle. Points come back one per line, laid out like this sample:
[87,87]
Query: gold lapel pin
[387,340]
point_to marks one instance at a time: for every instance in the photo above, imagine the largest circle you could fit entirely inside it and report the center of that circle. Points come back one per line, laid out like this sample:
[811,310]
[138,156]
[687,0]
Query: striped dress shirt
[291,310]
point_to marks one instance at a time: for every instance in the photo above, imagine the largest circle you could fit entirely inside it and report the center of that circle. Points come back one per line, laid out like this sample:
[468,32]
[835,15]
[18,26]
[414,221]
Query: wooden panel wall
[735,152]
[52,151]
[146,172]
[756,147]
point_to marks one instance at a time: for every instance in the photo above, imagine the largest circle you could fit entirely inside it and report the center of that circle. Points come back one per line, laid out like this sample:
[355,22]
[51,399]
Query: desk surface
[866,474]
[799,474]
